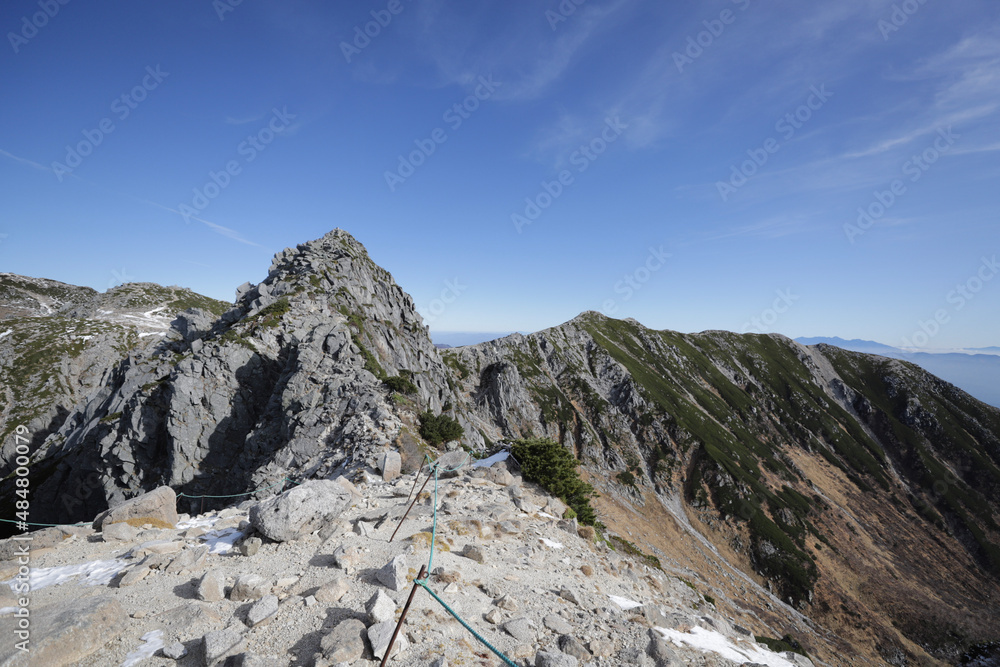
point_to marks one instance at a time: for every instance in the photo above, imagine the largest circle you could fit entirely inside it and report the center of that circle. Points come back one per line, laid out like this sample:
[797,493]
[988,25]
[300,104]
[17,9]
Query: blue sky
[693,165]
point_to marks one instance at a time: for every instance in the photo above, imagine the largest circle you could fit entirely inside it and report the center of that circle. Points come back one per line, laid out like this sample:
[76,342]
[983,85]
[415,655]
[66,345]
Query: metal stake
[402,617]
[407,513]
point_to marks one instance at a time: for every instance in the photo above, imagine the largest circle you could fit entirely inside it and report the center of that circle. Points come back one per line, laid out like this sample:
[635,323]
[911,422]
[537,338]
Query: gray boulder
[394,574]
[379,636]
[157,506]
[345,643]
[217,644]
[262,611]
[390,463]
[380,607]
[300,510]
[554,659]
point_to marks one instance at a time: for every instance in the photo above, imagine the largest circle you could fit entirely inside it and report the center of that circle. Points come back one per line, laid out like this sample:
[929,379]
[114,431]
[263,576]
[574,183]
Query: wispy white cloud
[525,55]
[215,227]
[22,160]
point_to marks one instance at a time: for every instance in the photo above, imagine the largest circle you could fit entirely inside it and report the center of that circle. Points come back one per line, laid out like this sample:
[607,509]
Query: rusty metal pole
[407,512]
[415,478]
[402,617]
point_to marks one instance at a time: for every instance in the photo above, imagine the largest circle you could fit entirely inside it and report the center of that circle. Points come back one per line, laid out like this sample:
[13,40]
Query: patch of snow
[94,573]
[153,643]
[487,462]
[149,313]
[708,640]
[7,610]
[6,333]
[152,333]
[549,543]
[203,521]
[546,515]
[625,603]
[221,541]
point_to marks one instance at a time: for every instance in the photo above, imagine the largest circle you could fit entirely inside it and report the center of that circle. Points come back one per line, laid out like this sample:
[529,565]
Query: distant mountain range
[976,370]
[445,339]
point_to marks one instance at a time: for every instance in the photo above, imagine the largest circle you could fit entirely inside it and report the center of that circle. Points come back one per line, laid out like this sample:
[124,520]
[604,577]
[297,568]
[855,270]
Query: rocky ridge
[213,588]
[59,342]
[290,381]
[843,499]
[842,482]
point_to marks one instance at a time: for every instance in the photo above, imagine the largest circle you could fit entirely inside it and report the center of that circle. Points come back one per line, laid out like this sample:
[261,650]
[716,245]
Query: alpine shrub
[553,467]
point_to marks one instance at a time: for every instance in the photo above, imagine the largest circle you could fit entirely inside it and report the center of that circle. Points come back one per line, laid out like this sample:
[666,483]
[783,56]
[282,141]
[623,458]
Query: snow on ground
[153,642]
[487,462]
[709,640]
[550,544]
[201,521]
[94,573]
[221,541]
[6,333]
[625,603]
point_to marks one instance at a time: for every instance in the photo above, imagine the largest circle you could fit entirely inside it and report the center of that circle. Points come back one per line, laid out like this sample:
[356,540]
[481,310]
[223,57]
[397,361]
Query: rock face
[288,382]
[299,511]
[60,343]
[64,634]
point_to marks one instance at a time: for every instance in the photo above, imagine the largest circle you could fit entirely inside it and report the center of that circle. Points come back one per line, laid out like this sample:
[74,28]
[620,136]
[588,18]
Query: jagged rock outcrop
[296,379]
[59,344]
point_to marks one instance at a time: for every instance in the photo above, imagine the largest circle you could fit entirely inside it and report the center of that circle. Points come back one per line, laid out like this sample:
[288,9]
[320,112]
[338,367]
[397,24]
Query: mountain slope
[58,342]
[976,371]
[843,481]
[850,500]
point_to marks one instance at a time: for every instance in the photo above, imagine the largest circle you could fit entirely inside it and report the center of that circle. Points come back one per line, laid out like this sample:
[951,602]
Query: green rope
[179,495]
[430,561]
[482,640]
[48,525]
[240,495]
